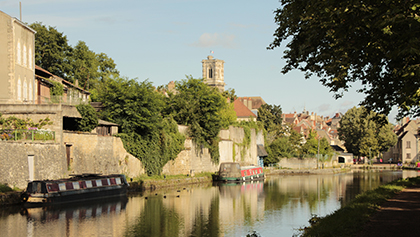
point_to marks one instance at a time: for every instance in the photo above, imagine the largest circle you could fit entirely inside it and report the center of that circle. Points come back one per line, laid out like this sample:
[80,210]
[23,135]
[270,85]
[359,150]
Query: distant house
[73,94]
[304,122]
[242,112]
[406,150]
[253,103]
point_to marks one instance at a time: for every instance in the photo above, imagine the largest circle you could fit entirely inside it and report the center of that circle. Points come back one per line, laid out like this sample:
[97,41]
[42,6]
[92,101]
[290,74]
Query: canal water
[279,206]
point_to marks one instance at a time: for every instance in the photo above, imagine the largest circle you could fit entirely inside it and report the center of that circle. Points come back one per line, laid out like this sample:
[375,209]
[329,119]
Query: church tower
[213,72]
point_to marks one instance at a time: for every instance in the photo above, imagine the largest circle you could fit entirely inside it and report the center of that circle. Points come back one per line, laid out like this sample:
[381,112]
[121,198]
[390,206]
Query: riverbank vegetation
[282,141]
[366,133]
[350,219]
[5,188]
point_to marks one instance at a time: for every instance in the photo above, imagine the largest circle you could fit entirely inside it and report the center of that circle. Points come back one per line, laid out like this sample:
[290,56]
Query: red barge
[233,172]
[77,188]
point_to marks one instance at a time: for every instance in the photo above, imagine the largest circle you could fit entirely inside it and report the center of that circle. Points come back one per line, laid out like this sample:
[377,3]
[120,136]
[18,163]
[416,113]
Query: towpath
[398,216]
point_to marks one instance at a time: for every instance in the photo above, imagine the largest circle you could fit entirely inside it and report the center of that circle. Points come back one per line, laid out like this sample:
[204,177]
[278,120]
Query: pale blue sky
[164,40]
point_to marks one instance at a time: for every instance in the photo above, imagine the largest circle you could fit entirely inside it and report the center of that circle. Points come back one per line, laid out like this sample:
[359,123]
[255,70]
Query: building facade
[17,61]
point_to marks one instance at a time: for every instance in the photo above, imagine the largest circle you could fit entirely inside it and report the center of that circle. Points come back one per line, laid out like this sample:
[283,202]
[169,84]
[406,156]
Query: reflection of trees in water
[207,225]
[297,190]
[365,181]
[160,219]
[156,220]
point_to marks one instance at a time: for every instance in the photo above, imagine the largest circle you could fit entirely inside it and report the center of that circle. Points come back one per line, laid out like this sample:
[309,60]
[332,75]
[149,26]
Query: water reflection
[276,207]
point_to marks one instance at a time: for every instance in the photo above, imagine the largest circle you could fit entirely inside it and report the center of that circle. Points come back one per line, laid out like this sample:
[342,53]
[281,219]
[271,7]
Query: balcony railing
[26,135]
[60,100]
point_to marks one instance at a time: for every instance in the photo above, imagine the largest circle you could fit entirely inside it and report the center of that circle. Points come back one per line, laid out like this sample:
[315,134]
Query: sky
[166,40]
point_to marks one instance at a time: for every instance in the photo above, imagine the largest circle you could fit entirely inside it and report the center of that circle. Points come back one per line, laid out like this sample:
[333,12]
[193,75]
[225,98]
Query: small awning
[261,151]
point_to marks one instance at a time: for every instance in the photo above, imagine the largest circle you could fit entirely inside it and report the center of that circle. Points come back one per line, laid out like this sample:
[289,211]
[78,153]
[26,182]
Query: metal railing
[26,135]
[60,100]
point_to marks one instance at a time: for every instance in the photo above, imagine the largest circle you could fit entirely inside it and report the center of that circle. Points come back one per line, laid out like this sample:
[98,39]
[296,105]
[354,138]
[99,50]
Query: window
[30,59]
[19,90]
[408,156]
[210,73]
[25,90]
[30,91]
[408,144]
[18,53]
[24,56]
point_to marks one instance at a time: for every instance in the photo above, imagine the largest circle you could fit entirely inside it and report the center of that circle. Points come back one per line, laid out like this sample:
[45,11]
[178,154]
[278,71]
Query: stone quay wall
[90,153]
[231,149]
[48,162]
[307,163]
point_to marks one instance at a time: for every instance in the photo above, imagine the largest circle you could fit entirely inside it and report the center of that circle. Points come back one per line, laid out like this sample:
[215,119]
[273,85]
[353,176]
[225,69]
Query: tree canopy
[51,49]
[363,135]
[138,109]
[203,109]
[270,115]
[376,43]
[54,54]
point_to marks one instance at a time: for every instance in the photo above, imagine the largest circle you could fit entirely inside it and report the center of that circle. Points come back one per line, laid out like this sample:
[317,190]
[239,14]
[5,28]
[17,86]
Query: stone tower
[213,72]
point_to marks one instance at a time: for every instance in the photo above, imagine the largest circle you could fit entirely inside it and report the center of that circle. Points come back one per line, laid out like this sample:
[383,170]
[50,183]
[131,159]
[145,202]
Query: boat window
[98,183]
[76,185]
[118,180]
[89,184]
[52,187]
[62,186]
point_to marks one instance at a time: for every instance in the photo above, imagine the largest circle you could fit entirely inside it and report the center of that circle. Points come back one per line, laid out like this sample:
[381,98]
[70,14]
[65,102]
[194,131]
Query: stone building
[17,61]
[213,72]
[406,150]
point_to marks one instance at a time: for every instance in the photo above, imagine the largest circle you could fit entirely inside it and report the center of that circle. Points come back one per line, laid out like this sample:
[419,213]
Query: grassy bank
[160,181]
[4,188]
[350,220]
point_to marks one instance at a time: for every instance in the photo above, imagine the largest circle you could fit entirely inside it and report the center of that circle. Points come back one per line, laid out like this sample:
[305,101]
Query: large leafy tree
[53,53]
[363,134]
[51,49]
[203,109]
[137,108]
[270,115]
[376,43]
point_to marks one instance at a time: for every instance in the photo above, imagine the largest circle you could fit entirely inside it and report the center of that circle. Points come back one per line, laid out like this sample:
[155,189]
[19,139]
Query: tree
[311,145]
[270,115]
[376,43]
[89,119]
[135,106]
[138,109]
[200,107]
[84,66]
[53,53]
[51,50]
[363,135]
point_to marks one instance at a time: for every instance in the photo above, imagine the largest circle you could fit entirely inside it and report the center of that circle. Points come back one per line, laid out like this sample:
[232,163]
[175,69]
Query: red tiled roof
[241,110]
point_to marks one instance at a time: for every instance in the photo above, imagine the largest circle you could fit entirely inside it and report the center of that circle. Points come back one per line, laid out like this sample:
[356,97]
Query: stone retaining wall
[306,163]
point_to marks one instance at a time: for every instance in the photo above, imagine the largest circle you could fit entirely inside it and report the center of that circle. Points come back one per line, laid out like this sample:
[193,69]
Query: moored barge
[233,172]
[77,188]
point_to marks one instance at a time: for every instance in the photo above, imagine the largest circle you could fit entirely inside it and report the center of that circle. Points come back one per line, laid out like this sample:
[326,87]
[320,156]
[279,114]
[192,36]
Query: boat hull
[74,190]
[232,172]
